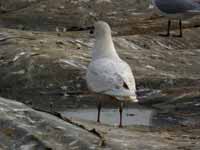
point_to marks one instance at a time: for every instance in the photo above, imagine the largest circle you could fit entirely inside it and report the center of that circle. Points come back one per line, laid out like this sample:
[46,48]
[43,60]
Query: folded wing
[111,77]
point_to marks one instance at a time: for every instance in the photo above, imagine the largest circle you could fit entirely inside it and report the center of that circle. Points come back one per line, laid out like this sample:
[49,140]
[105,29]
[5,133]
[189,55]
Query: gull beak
[91,29]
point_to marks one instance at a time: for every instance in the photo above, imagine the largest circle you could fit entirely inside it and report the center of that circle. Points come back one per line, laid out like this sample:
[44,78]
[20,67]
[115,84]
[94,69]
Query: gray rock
[22,128]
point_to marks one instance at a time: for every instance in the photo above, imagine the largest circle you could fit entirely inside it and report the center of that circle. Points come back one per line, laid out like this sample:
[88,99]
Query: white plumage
[107,73]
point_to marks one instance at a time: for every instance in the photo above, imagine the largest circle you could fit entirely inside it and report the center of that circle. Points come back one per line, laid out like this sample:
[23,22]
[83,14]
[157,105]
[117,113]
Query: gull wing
[111,77]
[176,6]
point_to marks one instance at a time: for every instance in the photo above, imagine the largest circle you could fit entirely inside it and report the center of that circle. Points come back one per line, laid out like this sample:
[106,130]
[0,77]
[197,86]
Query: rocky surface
[22,128]
[52,67]
[138,137]
[69,14]
[44,66]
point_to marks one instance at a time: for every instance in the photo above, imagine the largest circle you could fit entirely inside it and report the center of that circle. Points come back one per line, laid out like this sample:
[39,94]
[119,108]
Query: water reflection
[110,116]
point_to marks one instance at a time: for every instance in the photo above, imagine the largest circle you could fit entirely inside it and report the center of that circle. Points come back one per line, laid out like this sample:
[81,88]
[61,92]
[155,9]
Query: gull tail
[128,98]
[122,94]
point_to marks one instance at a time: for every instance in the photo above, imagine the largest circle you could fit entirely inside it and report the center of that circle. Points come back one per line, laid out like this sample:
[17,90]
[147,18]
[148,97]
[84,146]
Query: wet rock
[23,128]
[142,137]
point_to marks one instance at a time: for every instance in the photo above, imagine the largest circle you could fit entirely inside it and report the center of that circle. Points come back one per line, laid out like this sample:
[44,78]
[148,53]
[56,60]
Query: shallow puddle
[110,116]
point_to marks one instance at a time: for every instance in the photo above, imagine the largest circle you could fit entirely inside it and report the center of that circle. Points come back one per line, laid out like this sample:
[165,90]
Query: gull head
[101,29]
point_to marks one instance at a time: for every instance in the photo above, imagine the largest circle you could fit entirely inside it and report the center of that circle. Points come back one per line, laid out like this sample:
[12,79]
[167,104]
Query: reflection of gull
[107,73]
[177,9]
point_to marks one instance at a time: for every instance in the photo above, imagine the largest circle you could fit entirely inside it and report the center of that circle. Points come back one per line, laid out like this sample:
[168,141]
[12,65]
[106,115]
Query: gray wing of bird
[111,77]
[177,6]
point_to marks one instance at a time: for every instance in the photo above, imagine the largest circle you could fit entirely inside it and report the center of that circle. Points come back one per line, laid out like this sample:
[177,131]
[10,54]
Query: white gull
[107,74]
